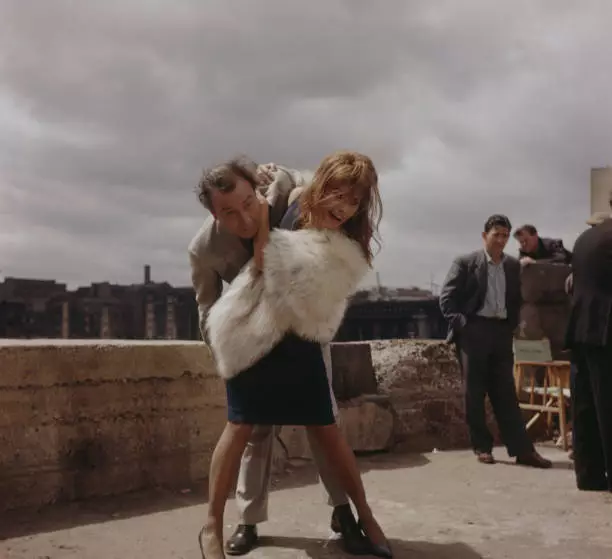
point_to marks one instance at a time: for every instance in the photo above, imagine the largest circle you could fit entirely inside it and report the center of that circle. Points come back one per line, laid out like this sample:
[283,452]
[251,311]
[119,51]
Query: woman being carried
[267,329]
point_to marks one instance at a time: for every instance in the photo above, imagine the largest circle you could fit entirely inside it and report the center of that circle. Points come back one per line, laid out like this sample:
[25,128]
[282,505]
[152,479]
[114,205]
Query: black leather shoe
[485,457]
[343,522]
[534,460]
[243,540]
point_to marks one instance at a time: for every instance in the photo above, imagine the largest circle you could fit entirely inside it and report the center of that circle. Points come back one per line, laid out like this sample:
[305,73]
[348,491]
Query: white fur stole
[308,276]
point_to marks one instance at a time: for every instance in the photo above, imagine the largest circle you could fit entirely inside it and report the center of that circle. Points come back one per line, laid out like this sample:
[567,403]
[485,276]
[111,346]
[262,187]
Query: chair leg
[519,379]
[562,413]
[548,377]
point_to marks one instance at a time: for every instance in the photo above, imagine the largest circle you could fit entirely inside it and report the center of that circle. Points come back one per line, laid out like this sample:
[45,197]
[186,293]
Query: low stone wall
[84,419]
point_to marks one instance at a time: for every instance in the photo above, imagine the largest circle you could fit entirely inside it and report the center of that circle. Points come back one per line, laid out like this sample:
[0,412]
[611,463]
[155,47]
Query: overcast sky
[109,111]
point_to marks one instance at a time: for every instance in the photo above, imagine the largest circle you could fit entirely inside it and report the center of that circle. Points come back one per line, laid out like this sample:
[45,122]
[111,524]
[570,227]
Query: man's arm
[281,191]
[559,254]
[451,292]
[300,178]
[208,287]
[524,259]
[266,174]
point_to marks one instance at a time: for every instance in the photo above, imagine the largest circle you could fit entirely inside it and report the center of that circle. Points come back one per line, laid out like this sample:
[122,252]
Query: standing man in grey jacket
[233,193]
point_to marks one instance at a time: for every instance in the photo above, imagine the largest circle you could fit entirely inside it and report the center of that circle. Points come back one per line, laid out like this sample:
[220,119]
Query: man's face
[238,211]
[495,240]
[527,242]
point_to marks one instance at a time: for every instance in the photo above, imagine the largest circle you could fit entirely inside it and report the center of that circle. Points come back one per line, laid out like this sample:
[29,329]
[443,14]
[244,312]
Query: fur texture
[307,278]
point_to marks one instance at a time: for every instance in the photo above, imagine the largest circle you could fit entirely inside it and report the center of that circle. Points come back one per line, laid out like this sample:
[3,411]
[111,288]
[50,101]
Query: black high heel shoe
[353,540]
[377,549]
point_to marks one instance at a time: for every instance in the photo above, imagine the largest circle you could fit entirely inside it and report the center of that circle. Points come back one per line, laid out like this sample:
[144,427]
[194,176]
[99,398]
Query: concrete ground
[438,506]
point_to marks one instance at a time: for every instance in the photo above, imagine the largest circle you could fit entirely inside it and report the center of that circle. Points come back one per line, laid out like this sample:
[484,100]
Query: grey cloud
[468,108]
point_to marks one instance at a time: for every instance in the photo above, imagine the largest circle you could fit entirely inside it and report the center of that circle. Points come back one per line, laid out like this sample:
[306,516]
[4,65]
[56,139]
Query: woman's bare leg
[222,476]
[342,460]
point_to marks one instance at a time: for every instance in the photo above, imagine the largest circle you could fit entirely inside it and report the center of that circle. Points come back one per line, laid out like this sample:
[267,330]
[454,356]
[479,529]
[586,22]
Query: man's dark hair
[497,220]
[529,229]
[223,178]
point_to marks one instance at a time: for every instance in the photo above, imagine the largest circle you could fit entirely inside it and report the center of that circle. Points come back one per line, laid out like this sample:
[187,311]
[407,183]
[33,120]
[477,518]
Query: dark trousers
[592,412]
[485,351]
[573,373]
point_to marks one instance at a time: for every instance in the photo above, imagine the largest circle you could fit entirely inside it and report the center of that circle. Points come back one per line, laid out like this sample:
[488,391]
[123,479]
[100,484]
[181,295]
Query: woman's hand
[263,232]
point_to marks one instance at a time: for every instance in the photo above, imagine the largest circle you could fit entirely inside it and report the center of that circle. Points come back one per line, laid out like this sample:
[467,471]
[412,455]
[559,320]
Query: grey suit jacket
[217,256]
[465,288]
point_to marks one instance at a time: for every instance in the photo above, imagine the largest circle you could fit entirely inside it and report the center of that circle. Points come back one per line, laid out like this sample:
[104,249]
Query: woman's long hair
[358,172]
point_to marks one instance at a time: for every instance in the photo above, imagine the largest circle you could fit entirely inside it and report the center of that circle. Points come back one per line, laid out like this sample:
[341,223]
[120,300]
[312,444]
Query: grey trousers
[253,485]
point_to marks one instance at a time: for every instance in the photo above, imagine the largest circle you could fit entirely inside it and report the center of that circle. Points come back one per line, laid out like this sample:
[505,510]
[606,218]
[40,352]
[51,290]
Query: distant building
[132,312]
[150,310]
[386,313]
[23,307]
[45,309]
[382,293]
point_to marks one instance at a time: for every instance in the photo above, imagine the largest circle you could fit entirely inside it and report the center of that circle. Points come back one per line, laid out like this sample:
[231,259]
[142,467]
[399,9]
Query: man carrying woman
[217,253]
[266,330]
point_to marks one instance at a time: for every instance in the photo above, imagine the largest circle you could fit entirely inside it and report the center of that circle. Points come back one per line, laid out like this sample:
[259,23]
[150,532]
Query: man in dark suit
[596,219]
[589,336]
[481,300]
[534,247]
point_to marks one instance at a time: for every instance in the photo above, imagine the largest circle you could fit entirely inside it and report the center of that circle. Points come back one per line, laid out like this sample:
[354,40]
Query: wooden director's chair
[551,394]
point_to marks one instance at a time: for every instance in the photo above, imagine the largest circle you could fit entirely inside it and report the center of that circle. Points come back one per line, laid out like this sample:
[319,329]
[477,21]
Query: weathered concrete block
[295,442]
[423,381]
[545,321]
[83,419]
[367,423]
[544,283]
[553,319]
[545,311]
[32,488]
[530,323]
[353,372]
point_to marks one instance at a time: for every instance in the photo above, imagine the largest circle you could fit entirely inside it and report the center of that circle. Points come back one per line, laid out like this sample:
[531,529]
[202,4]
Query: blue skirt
[288,386]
